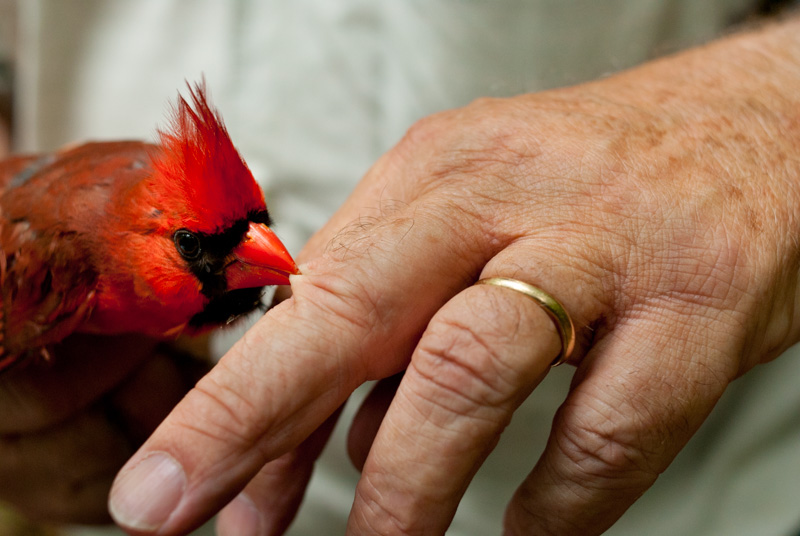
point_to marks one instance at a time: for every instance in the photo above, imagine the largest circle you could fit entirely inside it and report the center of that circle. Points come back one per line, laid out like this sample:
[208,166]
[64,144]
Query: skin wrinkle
[472,241]
[484,427]
[491,423]
[253,338]
[574,492]
[228,432]
[507,315]
[604,461]
[693,283]
[357,239]
[230,465]
[265,445]
[327,292]
[472,202]
[606,414]
[461,402]
[673,261]
[423,210]
[432,424]
[342,378]
[666,257]
[634,407]
[384,514]
[603,456]
[353,311]
[676,331]
[400,480]
[237,409]
[469,204]
[737,281]
[436,432]
[218,435]
[461,352]
[330,294]
[504,151]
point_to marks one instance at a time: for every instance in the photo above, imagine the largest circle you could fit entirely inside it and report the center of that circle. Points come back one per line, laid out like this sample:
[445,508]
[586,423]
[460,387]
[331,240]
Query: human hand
[659,206]
[68,426]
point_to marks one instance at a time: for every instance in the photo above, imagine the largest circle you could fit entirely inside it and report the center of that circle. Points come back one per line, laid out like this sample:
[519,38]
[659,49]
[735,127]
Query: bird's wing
[46,292]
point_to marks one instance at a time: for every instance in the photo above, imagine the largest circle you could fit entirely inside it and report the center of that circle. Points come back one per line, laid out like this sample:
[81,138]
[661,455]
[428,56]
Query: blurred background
[313,92]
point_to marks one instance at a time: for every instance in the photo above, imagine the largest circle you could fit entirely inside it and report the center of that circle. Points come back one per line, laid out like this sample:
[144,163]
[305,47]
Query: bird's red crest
[199,161]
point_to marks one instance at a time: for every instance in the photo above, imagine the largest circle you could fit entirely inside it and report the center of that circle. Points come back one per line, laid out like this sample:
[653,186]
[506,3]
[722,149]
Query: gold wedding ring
[550,305]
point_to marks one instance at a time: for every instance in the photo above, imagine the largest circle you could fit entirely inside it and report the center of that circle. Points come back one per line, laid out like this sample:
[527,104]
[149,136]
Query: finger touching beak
[260,259]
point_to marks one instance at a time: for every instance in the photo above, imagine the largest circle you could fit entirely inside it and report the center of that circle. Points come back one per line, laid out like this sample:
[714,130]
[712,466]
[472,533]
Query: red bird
[131,237]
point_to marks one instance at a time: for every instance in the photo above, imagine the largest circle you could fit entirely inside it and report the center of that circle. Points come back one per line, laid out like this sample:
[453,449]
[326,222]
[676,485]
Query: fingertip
[241,518]
[145,494]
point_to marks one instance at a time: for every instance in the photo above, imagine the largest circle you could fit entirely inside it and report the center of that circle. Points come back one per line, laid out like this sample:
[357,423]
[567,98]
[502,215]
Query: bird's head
[202,248]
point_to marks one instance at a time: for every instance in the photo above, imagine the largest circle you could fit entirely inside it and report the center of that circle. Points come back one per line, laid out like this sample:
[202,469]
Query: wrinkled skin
[659,206]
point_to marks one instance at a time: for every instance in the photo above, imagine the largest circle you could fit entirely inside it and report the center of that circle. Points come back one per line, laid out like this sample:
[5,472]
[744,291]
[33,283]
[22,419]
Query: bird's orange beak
[261,259]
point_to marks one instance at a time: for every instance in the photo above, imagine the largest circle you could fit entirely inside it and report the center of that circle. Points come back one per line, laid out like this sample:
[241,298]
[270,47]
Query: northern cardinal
[127,236]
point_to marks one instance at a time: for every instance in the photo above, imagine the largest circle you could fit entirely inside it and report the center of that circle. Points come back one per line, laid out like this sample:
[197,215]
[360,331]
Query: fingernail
[144,496]
[240,518]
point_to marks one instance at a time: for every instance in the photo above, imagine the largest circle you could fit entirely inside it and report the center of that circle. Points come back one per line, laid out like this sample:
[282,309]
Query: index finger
[349,320]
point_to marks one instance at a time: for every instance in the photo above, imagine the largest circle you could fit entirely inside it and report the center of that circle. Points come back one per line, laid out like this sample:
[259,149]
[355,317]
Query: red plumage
[131,237]
[195,152]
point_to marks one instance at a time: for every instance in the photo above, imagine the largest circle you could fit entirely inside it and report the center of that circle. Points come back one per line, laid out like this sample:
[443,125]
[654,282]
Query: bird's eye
[187,243]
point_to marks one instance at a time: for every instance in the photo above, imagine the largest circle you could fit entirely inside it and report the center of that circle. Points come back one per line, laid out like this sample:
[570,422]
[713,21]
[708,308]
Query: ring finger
[481,356]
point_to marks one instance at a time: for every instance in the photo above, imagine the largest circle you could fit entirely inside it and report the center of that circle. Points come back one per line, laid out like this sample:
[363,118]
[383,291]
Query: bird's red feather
[199,160]
[87,233]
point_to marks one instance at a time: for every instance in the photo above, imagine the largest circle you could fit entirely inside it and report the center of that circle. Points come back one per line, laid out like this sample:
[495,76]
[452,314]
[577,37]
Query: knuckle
[375,516]
[228,414]
[354,300]
[358,314]
[425,130]
[495,147]
[465,365]
[607,454]
[352,304]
